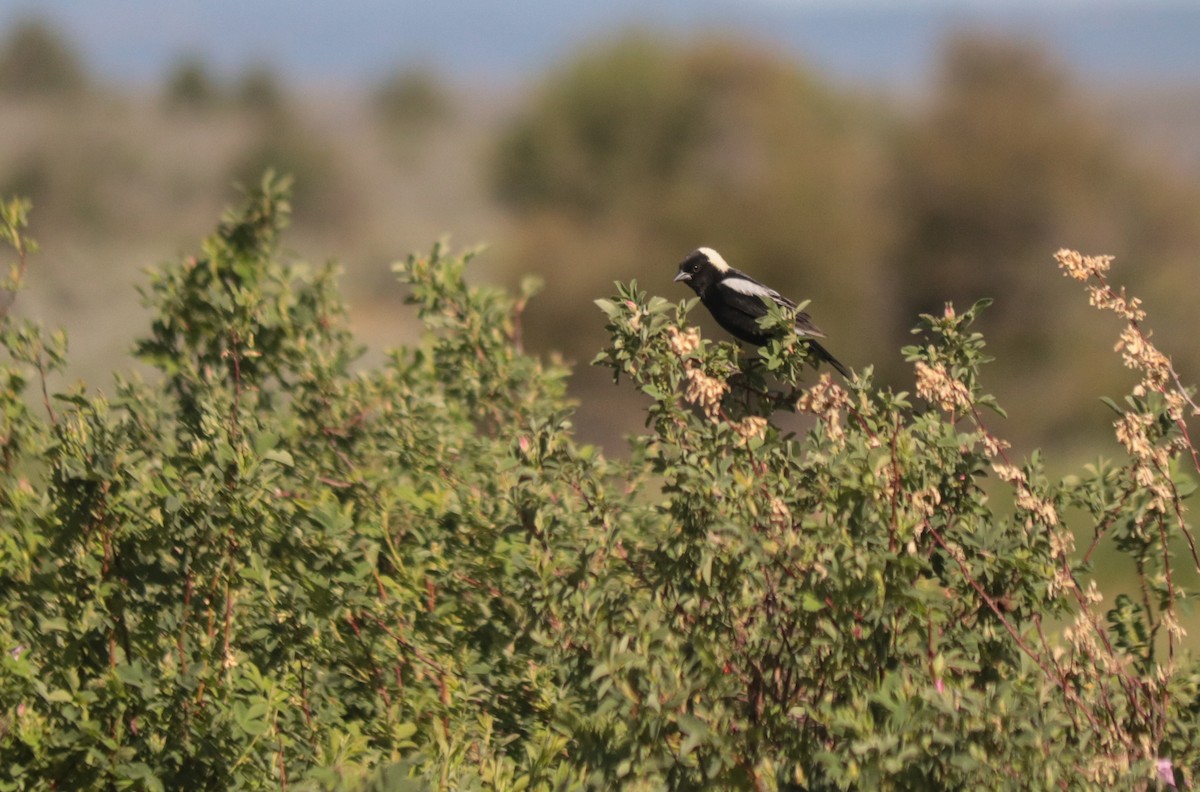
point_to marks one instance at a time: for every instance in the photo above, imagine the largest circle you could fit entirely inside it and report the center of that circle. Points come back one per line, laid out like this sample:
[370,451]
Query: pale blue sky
[882,41]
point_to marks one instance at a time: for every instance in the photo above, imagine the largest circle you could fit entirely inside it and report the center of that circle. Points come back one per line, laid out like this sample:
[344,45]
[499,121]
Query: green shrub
[265,567]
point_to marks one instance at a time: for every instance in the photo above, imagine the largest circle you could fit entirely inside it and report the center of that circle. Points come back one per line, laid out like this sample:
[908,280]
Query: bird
[737,301]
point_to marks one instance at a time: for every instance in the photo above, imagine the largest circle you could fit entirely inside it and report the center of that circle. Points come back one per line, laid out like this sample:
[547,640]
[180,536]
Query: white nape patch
[715,259]
[750,288]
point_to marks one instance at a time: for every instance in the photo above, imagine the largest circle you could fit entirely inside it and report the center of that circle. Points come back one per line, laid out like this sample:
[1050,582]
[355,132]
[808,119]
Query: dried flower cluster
[781,515]
[1139,354]
[702,390]
[926,501]
[635,318]
[935,384]
[705,391]
[826,400]
[683,342]
[751,427]
[1082,267]
[1150,461]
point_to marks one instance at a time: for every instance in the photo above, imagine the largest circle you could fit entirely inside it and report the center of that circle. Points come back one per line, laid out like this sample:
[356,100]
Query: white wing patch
[750,288]
[715,259]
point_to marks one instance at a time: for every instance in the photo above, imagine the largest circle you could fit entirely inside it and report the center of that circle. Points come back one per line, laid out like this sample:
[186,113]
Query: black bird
[737,301]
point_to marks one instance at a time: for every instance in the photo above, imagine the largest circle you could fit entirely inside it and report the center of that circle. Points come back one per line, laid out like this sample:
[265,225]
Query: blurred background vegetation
[614,163]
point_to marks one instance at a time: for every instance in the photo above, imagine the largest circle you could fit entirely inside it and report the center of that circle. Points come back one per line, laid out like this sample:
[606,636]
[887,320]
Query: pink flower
[1166,773]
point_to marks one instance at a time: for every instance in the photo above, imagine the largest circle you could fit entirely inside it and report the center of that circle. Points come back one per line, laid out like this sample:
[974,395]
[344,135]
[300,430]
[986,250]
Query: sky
[880,41]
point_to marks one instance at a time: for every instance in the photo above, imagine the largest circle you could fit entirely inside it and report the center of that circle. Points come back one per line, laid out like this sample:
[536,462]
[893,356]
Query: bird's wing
[745,286]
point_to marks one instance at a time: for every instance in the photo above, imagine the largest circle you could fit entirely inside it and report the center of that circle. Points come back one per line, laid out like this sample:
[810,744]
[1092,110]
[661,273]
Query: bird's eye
[693,267]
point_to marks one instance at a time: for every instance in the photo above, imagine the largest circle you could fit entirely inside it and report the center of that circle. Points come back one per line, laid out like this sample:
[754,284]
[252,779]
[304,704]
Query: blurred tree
[1009,164]
[640,151]
[190,85]
[260,90]
[616,123]
[411,98]
[35,60]
[324,199]
[282,142]
[985,179]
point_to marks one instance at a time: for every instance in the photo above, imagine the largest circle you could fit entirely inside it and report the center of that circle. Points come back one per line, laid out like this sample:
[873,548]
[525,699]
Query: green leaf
[54,624]
[1112,405]
[695,730]
[810,603]
[281,456]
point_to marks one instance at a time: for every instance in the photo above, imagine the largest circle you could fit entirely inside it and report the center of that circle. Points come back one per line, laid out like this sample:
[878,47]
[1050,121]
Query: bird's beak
[683,276]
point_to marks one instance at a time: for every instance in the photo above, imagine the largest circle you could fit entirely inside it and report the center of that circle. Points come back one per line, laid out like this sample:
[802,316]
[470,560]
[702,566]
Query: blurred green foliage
[261,567]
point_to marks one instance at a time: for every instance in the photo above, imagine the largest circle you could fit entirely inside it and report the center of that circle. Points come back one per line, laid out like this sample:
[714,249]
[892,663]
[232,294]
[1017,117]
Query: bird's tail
[823,354]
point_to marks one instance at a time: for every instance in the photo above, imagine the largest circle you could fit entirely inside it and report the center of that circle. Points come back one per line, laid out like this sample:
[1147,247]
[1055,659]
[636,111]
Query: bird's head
[701,267]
